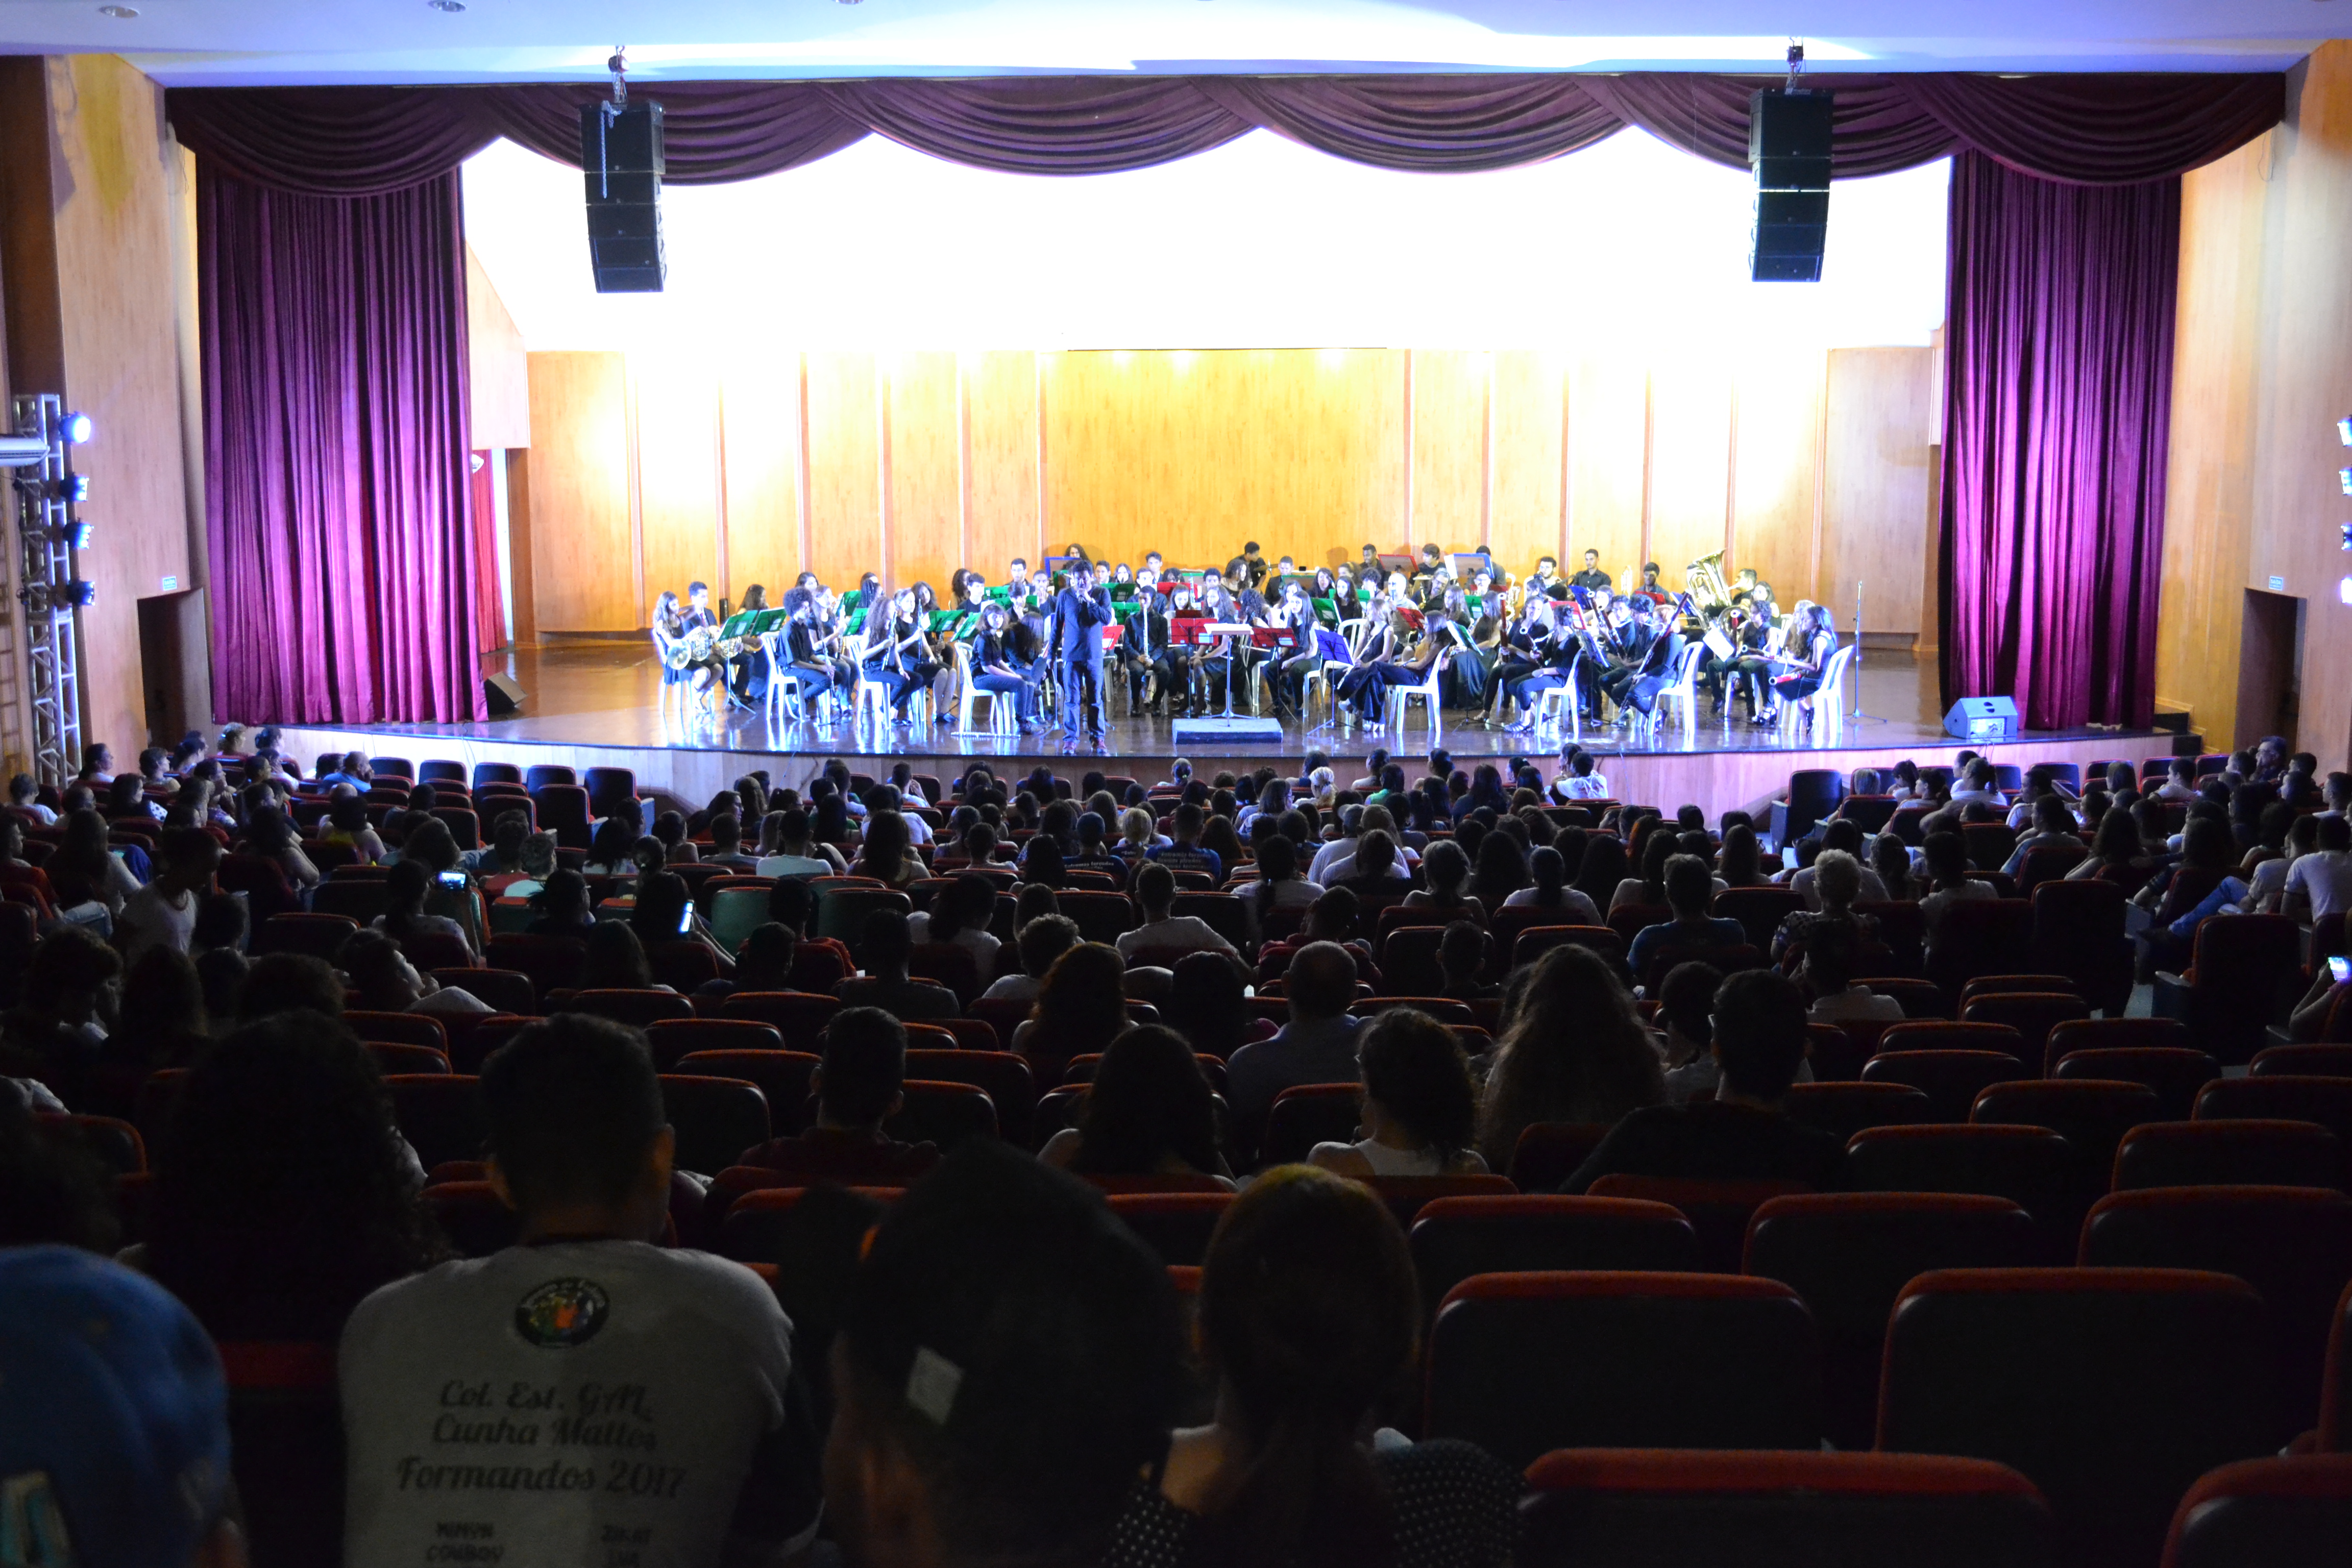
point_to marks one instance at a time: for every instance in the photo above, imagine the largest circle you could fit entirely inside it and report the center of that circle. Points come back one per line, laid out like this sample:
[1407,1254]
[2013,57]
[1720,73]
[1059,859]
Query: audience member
[1309,1318]
[1149,1112]
[114,1436]
[561,907]
[1461,959]
[1207,1005]
[64,1012]
[386,981]
[1742,1133]
[289,983]
[1690,887]
[679,1361]
[1420,1112]
[885,983]
[1081,1008]
[1827,974]
[1574,1050]
[961,914]
[859,1085]
[1006,1371]
[1165,936]
[1038,944]
[1316,1046]
[283,1194]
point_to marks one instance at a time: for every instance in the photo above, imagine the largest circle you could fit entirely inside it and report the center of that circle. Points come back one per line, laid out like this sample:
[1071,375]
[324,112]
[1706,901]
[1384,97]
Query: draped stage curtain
[2058,392]
[335,331]
[335,452]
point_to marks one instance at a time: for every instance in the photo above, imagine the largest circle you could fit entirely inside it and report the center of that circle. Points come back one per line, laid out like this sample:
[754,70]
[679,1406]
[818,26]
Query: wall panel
[1690,464]
[1449,447]
[1874,487]
[2209,484]
[583,571]
[1608,401]
[499,369]
[1776,475]
[845,458]
[1000,392]
[926,498]
[1529,390]
[677,479]
[759,403]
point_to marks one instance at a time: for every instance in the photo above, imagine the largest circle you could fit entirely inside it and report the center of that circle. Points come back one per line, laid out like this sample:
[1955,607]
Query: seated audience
[1572,1050]
[64,1009]
[1461,958]
[1081,1008]
[1149,1112]
[1419,1113]
[683,1357]
[1690,887]
[406,886]
[1837,883]
[284,1194]
[1309,1318]
[114,1432]
[384,981]
[1827,975]
[1316,1046]
[1686,998]
[1006,1369]
[860,1086]
[1207,1005]
[1843,836]
[1548,869]
[560,908]
[961,914]
[1743,1133]
[1163,935]
[885,983]
[1448,871]
[289,983]
[1039,944]
[793,855]
[163,912]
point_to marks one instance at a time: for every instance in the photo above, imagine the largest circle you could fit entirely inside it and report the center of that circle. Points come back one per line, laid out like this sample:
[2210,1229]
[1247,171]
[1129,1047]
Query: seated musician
[996,669]
[1173,664]
[1592,577]
[1295,611]
[1651,652]
[669,631]
[1390,658]
[803,649]
[1812,640]
[1433,577]
[1739,672]
[1546,579]
[1224,606]
[1543,652]
[836,641]
[1650,588]
[1254,567]
[746,672]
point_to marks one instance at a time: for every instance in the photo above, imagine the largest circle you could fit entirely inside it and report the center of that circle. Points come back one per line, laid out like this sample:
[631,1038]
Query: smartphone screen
[452,878]
[686,918]
[2341,968]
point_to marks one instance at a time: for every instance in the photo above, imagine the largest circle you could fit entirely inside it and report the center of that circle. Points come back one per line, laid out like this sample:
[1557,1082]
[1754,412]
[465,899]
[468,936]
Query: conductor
[1082,610]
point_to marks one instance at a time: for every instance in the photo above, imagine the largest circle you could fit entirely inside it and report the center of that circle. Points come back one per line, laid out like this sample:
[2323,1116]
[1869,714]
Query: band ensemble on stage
[1193,641]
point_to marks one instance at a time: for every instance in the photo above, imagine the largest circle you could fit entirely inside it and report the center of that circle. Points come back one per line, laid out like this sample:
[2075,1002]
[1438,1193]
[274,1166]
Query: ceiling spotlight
[2344,590]
[76,429]
[119,13]
[77,535]
[78,594]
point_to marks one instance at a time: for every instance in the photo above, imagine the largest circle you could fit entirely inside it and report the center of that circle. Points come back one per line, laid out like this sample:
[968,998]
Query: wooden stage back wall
[646,471]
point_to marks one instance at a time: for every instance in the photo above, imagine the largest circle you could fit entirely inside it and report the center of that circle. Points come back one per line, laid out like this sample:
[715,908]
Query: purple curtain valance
[2075,129]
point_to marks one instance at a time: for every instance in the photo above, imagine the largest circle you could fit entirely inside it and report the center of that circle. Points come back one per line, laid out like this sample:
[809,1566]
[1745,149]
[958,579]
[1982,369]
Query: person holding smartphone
[406,887]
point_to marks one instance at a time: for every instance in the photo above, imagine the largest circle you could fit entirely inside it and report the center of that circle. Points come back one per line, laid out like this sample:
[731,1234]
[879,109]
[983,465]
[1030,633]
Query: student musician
[835,644]
[1592,577]
[1741,671]
[1640,649]
[997,668]
[804,649]
[1296,612]
[895,652]
[1081,610]
[1543,653]
[669,631]
[1173,663]
[746,672]
[1215,662]
[1394,659]
[1546,579]
[1812,639]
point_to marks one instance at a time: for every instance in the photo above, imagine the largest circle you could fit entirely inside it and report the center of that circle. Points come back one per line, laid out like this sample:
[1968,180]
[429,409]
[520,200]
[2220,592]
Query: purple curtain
[2090,130]
[2057,395]
[335,471]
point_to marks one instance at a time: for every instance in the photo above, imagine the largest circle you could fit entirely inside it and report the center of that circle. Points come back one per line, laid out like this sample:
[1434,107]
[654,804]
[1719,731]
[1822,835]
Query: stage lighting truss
[48,586]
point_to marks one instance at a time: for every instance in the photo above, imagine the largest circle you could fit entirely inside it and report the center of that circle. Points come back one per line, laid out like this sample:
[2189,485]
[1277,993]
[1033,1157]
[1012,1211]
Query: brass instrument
[1703,581]
[696,647]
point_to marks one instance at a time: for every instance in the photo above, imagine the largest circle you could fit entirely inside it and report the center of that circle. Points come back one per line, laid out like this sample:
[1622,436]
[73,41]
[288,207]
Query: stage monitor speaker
[1220,730]
[1789,149]
[502,695]
[1982,719]
[621,161]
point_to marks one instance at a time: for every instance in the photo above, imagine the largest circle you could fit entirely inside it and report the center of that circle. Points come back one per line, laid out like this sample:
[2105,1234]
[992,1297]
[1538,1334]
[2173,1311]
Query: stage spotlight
[76,429]
[2343,431]
[2344,590]
[77,534]
[2344,477]
[71,488]
[78,594]
[36,598]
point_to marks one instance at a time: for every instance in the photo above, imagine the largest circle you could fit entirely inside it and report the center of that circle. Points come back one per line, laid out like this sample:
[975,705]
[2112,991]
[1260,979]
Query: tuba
[1703,580]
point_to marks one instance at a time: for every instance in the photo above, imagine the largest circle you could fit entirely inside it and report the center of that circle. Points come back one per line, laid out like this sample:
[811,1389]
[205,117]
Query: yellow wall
[924,461]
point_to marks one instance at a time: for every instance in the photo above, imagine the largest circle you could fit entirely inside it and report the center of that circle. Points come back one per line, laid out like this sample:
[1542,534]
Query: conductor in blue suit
[1082,610]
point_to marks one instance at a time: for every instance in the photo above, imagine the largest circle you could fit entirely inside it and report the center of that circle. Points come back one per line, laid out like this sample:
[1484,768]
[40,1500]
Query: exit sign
[2278,584]
[171,585]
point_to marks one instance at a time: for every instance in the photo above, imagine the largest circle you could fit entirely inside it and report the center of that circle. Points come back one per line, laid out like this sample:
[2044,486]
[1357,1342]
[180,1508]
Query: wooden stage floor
[598,702]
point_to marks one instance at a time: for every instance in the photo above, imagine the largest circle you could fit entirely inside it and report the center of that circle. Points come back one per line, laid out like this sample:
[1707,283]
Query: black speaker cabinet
[502,696]
[1789,149]
[621,163]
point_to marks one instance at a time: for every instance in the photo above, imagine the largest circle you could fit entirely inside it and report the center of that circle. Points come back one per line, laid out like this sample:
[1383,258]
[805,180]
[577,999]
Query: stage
[596,704]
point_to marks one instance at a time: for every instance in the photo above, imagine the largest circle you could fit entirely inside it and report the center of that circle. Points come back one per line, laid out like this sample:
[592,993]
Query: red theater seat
[2287,1512]
[1455,1238]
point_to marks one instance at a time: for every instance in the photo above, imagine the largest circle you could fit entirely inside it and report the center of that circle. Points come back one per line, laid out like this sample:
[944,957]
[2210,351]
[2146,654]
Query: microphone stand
[1853,666]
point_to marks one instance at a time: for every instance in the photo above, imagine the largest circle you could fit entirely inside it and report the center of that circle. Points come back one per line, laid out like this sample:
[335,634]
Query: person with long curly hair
[1574,1050]
[1081,1008]
[1149,1112]
[1419,1113]
[283,1194]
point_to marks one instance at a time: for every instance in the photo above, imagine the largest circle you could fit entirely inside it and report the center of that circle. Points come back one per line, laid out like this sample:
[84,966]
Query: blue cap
[113,1415]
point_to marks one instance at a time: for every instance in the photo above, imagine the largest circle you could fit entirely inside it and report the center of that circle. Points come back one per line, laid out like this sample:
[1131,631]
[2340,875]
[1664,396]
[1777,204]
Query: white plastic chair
[1553,701]
[1827,704]
[1400,697]
[1680,691]
[784,686]
[1001,719]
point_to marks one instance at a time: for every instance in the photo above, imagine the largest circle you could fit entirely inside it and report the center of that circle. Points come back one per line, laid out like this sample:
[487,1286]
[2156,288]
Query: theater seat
[1453,1239]
[1843,1109]
[2111,1389]
[1524,1364]
[2283,1512]
[1176,1226]
[440,1114]
[2026,1165]
[2326,1101]
[2292,1244]
[714,1118]
[1849,1255]
[1651,1508]
[1307,1114]
[1718,1211]
[2245,1152]
[286,1443]
[1951,1079]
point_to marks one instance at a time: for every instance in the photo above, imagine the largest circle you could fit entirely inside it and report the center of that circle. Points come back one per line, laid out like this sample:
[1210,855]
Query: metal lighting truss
[45,526]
